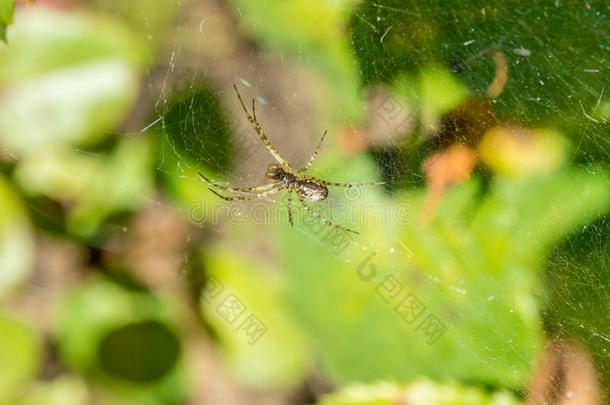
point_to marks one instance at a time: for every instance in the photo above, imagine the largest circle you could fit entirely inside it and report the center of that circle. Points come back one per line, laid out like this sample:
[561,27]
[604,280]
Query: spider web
[557,78]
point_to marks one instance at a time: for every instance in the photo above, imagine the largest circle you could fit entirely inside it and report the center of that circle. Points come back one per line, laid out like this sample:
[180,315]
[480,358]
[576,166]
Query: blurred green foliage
[313,31]
[62,390]
[194,113]
[193,136]
[278,357]
[566,309]
[65,87]
[98,186]
[557,55]
[70,97]
[477,268]
[152,19]
[124,339]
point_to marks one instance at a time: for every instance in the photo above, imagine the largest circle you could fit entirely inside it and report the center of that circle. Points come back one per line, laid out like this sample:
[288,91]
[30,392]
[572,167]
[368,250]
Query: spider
[307,188]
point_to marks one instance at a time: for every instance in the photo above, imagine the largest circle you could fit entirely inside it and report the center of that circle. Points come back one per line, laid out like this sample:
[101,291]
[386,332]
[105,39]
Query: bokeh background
[480,274]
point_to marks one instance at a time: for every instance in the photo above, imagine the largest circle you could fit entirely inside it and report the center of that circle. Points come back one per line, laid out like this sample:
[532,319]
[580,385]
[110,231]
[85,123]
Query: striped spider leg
[248,197]
[321,218]
[279,158]
[253,192]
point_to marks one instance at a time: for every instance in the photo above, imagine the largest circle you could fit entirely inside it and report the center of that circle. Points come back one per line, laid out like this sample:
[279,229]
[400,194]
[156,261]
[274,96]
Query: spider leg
[237,189]
[315,154]
[260,132]
[329,183]
[254,111]
[320,217]
[246,197]
[290,207]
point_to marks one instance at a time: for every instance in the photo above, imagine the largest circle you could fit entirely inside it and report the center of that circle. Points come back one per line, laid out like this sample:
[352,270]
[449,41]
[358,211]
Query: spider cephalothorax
[275,172]
[307,188]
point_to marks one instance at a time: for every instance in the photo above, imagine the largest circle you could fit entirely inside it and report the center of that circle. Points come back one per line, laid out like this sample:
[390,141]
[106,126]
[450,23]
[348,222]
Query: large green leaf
[475,268]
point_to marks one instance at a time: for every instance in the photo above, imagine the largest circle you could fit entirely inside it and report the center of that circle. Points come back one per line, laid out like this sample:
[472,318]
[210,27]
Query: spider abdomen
[311,190]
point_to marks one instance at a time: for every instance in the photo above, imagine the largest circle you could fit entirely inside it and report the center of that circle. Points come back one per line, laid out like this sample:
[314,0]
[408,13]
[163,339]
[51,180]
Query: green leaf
[476,268]
[7,7]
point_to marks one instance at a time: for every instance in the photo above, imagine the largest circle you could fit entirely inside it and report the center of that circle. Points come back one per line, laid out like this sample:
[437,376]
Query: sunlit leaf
[21,354]
[6,16]
[420,392]
[65,86]
[61,390]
